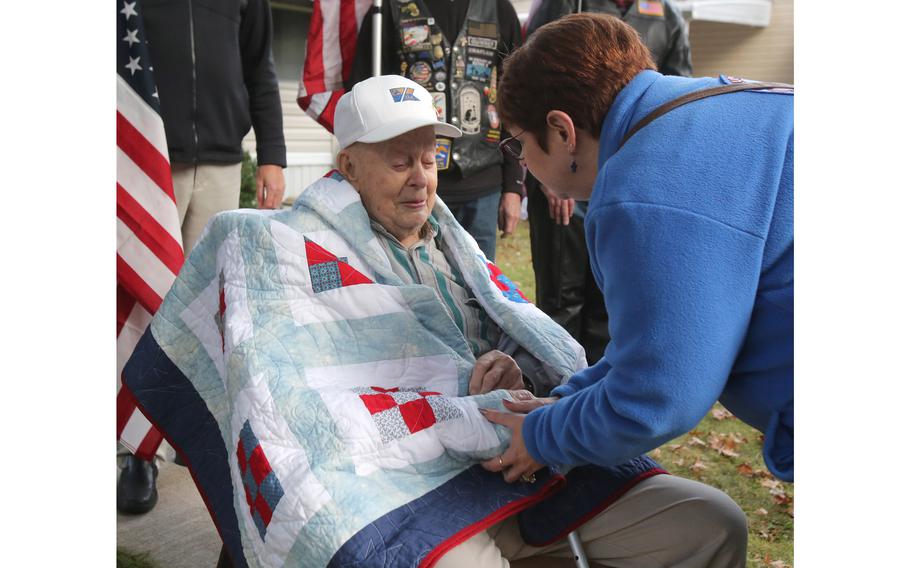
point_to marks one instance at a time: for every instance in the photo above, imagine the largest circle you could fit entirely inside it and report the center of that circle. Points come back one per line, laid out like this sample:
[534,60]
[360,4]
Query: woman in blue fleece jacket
[690,234]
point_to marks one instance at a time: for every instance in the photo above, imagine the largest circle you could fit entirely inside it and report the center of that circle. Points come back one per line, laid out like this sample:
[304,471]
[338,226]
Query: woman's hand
[516,463]
[494,370]
[524,402]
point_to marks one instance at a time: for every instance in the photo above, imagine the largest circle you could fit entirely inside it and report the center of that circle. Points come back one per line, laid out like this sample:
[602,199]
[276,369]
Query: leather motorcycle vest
[461,79]
[646,16]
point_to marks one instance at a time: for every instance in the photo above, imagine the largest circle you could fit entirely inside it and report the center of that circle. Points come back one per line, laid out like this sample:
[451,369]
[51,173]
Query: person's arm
[680,289]
[362,65]
[678,60]
[512,173]
[262,83]
[549,11]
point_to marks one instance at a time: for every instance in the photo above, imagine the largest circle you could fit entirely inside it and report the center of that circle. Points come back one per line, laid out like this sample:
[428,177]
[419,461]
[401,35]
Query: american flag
[331,43]
[149,248]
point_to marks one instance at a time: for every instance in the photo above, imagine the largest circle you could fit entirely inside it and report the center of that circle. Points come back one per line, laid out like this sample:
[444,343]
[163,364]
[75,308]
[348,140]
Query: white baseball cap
[381,108]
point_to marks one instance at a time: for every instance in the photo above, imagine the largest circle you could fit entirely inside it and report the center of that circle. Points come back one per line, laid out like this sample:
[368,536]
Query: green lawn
[722,451]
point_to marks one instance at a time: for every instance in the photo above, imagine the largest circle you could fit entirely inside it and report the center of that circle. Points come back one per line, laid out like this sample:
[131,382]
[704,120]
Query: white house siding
[764,54]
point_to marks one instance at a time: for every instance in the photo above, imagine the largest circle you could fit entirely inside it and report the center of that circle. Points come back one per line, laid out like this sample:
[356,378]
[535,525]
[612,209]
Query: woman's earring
[574,167]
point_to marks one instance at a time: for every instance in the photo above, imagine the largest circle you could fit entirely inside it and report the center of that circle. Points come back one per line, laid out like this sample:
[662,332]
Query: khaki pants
[663,521]
[202,190]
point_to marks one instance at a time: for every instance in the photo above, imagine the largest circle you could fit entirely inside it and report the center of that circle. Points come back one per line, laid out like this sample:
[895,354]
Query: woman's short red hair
[577,64]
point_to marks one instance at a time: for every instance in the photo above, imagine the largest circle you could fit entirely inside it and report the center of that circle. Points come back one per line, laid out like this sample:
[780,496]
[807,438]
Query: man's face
[396,180]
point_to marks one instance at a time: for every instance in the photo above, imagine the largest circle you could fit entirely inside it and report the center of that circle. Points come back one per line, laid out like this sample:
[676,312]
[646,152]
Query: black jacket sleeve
[678,60]
[262,83]
[509,41]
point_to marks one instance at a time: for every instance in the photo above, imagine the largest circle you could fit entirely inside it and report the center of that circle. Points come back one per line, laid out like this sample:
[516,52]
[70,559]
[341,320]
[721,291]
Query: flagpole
[377,38]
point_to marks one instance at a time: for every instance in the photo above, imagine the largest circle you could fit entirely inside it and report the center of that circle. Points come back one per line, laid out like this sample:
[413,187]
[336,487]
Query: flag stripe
[149,196]
[331,48]
[144,155]
[143,261]
[141,116]
[132,330]
[150,442]
[348,24]
[149,231]
[126,404]
[125,304]
[136,286]
[135,430]
[313,69]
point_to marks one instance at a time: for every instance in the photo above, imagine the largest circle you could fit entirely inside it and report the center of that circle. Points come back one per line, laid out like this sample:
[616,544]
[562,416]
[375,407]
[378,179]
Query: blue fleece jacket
[690,235]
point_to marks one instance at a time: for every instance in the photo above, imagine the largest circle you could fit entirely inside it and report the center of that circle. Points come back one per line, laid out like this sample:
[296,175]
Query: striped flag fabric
[149,247]
[330,47]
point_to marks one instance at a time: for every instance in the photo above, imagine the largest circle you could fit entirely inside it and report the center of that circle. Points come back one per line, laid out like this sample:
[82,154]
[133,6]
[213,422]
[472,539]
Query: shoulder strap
[697,95]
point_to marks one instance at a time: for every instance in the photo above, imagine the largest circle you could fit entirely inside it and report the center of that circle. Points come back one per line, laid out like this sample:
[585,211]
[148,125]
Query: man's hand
[516,463]
[560,209]
[509,212]
[269,186]
[494,370]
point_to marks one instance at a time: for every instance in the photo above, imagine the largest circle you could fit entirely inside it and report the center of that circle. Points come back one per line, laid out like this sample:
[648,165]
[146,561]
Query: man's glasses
[512,145]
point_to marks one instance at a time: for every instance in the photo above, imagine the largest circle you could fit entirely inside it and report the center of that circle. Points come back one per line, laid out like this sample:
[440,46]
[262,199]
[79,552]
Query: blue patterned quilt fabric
[321,403]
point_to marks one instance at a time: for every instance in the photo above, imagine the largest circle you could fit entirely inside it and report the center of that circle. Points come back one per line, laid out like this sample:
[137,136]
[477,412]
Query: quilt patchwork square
[260,484]
[400,412]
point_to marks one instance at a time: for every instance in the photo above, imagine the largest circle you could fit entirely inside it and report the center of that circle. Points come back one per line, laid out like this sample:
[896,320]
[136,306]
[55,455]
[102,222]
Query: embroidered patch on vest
[651,7]
[443,153]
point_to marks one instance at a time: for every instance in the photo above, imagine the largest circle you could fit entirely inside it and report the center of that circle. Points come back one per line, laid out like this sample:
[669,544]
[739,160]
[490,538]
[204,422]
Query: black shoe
[136,491]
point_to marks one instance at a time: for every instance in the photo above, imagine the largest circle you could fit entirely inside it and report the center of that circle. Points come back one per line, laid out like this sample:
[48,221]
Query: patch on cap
[401,94]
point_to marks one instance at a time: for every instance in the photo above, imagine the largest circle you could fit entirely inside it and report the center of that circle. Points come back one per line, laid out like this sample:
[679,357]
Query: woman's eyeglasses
[512,145]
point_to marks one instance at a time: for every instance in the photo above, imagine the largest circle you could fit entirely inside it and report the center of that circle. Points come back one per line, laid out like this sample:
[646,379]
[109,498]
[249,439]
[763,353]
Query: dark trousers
[566,289]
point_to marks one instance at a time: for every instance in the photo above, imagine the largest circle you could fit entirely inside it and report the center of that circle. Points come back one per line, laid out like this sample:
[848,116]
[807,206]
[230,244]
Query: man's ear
[347,167]
[561,128]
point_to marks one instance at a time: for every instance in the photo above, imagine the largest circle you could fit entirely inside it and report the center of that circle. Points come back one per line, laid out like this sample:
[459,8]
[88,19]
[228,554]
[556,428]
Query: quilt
[321,403]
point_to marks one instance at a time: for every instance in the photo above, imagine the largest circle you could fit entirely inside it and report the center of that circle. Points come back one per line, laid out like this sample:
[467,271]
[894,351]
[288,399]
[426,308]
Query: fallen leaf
[679,462]
[696,441]
[781,498]
[778,564]
[698,466]
[721,414]
[674,447]
[770,483]
[656,453]
[745,469]
[761,511]
[725,444]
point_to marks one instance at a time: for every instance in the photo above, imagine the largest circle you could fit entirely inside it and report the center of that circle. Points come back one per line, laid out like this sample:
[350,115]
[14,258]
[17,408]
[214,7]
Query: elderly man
[325,371]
